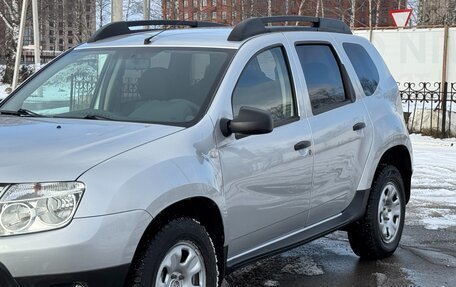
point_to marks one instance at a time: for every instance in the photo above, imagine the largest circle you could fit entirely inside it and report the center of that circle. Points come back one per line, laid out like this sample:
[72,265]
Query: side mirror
[250,121]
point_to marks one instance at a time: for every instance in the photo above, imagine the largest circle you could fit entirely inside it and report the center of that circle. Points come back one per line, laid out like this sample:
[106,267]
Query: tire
[183,239]
[377,234]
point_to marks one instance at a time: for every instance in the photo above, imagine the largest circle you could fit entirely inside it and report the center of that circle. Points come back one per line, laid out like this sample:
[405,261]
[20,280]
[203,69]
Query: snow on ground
[433,200]
[3,94]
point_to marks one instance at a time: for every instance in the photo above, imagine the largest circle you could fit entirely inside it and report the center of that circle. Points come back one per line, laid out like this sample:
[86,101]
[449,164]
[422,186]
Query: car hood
[50,149]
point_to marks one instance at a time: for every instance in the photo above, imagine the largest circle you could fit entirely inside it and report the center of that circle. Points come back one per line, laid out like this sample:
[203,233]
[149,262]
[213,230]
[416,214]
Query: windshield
[152,85]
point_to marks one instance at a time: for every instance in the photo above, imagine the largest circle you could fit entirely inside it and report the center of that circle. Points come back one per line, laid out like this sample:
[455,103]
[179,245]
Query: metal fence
[81,91]
[429,108]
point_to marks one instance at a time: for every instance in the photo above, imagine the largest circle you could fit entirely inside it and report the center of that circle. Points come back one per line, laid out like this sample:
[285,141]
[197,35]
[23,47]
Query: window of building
[195,3]
[214,15]
[323,77]
[233,3]
[265,84]
[70,40]
[364,67]
[233,14]
[60,32]
[204,2]
[214,3]
[60,41]
[51,24]
[223,2]
[185,3]
[70,32]
[51,32]
[223,15]
[186,16]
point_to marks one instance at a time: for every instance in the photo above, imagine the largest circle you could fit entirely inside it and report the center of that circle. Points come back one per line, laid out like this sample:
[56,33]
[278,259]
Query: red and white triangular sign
[401,17]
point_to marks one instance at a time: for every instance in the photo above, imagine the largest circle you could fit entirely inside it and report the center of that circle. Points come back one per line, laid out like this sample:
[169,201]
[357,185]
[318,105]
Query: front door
[267,178]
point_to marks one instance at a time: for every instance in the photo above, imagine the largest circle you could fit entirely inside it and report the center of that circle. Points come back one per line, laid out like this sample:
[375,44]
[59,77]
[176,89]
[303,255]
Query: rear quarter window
[364,67]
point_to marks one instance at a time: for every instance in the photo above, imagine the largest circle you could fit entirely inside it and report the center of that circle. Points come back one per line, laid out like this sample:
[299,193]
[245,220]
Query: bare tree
[9,14]
[352,13]
[301,6]
[437,12]
[103,10]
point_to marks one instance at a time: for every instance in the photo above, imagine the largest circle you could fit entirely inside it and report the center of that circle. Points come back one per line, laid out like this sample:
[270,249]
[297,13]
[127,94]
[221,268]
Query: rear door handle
[359,126]
[302,145]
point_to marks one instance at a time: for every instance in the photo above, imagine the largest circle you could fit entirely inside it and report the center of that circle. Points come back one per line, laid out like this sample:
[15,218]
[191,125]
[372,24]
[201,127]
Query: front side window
[323,76]
[152,85]
[265,84]
[364,67]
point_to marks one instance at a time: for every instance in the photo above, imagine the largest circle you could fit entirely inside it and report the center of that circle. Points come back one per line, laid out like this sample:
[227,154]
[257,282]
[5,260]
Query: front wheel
[377,234]
[181,254]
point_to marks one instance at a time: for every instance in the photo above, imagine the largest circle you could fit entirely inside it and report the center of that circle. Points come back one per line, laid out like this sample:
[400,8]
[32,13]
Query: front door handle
[302,145]
[359,126]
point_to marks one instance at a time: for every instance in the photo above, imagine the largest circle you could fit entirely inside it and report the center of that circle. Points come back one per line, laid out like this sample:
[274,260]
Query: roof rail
[255,26]
[123,27]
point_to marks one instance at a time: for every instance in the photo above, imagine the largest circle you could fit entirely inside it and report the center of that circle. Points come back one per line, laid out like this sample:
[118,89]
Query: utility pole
[20,43]
[36,34]
[146,8]
[116,10]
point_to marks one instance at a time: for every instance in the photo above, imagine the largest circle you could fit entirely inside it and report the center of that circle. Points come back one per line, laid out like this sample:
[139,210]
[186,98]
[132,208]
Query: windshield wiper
[21,112]
[97,117]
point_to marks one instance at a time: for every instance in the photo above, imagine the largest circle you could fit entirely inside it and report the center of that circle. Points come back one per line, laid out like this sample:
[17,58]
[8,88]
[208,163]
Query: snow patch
[3,93]
[271,283]
[433,197]
[380,278]
[429,120]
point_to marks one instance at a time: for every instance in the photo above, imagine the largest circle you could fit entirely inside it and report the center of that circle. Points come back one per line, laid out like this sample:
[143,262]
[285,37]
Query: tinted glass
[323,76]
[265,84]
[364,67]
[153,85]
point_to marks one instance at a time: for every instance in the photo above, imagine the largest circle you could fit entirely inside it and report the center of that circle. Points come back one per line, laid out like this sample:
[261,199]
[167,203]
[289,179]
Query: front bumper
[112,277]
[85,251]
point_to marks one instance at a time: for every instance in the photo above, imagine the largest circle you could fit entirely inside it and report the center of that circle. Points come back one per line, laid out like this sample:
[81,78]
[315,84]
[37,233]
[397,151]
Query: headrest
[153,84]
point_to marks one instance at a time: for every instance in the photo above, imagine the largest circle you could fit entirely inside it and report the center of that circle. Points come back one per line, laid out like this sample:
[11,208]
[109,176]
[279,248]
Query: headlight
[26,208]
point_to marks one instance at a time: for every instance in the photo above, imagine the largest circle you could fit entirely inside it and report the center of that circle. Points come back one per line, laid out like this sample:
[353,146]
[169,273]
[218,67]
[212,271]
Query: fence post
[444,109]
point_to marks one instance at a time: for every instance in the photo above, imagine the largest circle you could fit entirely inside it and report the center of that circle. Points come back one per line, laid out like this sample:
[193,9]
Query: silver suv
[170,157]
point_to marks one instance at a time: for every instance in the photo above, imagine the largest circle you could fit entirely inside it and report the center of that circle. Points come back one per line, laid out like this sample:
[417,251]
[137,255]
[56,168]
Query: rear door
[340,126]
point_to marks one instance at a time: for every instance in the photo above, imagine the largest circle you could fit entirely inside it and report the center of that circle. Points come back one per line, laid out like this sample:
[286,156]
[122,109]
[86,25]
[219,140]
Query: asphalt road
[424,258]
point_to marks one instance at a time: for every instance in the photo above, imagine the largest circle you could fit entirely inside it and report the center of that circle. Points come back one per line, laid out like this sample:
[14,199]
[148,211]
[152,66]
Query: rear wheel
[181,254]
[377,234]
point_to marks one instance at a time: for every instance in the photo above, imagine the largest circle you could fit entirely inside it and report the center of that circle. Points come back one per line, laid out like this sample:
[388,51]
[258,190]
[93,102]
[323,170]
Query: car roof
[193,37]
[204,34]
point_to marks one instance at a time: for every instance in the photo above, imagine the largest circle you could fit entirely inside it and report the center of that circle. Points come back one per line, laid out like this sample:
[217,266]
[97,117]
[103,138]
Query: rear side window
[323,77]
[364,67]
[265,84]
